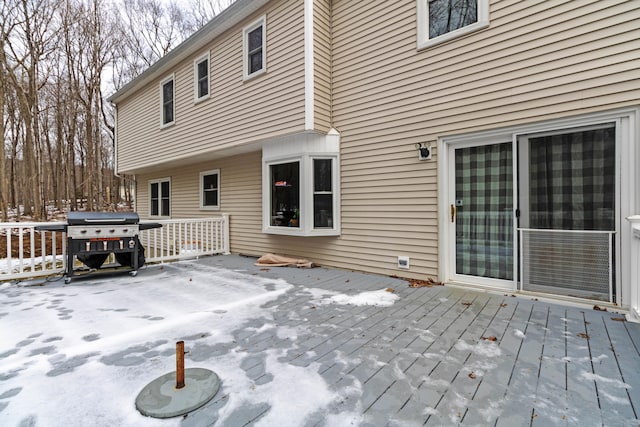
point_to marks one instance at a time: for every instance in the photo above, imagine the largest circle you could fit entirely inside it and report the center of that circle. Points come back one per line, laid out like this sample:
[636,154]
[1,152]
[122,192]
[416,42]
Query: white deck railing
[30,253]
[186,238]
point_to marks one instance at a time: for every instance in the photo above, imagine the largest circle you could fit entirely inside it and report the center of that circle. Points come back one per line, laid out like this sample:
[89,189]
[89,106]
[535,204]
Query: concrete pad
[161,399]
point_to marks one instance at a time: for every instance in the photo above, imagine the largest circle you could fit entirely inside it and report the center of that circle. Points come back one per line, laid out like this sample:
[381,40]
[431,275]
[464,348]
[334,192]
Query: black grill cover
[102,218]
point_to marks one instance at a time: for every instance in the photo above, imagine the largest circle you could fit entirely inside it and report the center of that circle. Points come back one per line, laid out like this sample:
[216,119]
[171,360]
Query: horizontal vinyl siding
[322,64]
[240,197]
[538,60]
[238,112]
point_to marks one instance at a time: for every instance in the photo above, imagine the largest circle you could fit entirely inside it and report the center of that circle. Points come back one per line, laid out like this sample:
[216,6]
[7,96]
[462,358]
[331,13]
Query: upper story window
[210,190]
[442,20]
[201,78]
[254,48]
[167,99]
[160,197]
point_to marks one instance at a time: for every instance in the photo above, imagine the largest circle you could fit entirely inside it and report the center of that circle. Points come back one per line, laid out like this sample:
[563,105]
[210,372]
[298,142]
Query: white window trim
[245,48]
[196,83]
[306,192]
[303,148]
[202,205]
[162,83]
[159,181]
[423,24]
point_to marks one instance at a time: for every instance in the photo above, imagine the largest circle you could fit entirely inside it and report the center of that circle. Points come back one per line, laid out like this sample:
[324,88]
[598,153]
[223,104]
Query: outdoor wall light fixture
[424,150]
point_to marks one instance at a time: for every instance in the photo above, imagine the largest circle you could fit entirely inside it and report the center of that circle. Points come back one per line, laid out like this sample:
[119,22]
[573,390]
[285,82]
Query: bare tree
[148,30]
[57,131]
[4,178]
[204,11]
[28,39]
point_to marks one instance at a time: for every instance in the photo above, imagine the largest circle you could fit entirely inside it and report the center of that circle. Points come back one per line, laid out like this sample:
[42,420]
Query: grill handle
[102,221]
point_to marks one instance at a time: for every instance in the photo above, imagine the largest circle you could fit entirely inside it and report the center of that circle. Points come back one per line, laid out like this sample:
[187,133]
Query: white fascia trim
[308,66]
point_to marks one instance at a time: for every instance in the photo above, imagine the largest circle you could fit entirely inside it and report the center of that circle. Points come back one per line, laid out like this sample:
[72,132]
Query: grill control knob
[83,231]
[98,230]
[113,230]
[125,230]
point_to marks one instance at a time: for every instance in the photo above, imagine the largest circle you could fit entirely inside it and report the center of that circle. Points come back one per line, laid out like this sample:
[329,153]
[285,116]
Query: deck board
[520,399]
[613,392]
[582,396]
[626,357]
[551,390]
[410,363]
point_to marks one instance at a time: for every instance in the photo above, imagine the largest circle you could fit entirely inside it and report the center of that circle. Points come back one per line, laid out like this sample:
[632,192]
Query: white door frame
[451,229]
[627,203]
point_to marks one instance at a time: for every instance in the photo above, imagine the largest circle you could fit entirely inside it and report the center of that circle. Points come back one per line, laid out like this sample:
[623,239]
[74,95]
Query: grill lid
[102,218]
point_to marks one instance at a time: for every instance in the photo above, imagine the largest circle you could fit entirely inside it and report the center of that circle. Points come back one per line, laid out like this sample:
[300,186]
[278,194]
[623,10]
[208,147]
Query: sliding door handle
[453,212]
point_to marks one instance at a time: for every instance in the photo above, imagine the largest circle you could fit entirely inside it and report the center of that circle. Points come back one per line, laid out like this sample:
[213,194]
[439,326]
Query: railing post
[225,233]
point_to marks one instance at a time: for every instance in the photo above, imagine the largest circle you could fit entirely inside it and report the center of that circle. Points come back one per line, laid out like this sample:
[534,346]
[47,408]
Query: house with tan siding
[482,143]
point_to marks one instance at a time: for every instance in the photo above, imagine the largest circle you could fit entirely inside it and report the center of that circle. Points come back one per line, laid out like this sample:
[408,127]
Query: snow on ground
[379,298]
[79,354]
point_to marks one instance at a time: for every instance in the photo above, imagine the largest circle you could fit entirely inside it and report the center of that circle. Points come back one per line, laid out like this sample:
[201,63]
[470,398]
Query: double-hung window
[323,193]
[167,101]
[442,20]
[160,197]
[210,190]
[201,78]
[254,48]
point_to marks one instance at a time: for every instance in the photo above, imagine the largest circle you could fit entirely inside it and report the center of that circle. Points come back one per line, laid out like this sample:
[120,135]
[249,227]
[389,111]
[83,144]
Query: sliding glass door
[567,202]
[482,211]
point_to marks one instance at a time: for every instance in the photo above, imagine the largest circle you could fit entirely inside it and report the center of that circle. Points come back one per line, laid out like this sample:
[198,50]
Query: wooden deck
[444,356]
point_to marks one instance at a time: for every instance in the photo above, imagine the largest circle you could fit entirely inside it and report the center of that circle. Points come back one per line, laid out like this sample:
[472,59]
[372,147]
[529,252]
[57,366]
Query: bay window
[300,186]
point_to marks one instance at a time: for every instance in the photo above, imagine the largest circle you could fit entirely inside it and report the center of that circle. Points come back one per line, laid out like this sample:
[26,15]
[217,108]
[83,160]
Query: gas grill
[92,236]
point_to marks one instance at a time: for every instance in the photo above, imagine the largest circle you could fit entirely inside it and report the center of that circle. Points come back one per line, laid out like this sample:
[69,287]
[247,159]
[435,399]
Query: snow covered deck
[301,347]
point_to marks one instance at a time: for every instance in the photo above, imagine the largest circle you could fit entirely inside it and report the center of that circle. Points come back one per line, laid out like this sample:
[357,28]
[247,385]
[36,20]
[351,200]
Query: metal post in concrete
[179,392]
[179,365]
